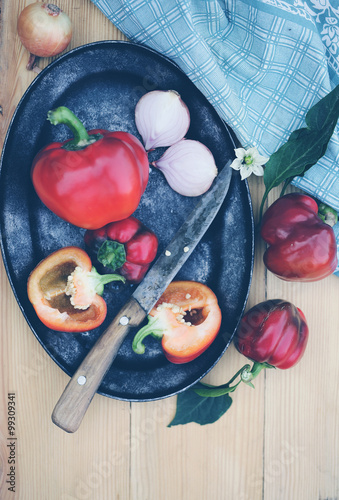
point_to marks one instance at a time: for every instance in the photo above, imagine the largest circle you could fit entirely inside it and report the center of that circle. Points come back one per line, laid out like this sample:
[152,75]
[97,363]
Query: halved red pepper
[302,247]
[65,291]
[187,318]
[127,246]
[96,178]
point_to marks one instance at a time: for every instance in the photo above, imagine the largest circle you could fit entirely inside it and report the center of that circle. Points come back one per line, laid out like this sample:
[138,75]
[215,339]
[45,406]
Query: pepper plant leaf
[203,410]
[305,146]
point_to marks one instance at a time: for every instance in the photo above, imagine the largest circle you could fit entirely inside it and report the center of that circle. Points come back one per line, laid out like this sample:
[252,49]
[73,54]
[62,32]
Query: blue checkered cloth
[261,64]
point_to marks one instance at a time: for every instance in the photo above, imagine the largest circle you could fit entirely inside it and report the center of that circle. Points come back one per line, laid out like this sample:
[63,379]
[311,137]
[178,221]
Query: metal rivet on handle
[124,321]
[82,380]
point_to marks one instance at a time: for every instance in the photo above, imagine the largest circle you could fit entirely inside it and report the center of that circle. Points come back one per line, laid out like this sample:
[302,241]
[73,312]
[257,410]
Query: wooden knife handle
[74,401]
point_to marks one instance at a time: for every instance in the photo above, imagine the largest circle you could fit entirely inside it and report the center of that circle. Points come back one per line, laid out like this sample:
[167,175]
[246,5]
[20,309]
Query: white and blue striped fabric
[261,63]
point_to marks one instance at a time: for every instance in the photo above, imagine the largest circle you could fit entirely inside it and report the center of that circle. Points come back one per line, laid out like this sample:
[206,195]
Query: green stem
[154,327]
[82,139]
[206,391]
[98,281]
[327,214]
[286,183]
[246,376]
[210,391]
[112,254]
[262,205]
[239,372]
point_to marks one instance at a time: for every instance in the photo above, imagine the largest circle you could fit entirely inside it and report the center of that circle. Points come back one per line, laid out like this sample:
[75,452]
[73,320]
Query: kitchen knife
[74,401]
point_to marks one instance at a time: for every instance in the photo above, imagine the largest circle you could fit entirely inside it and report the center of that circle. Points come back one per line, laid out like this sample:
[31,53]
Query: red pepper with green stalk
[186,318]
[125,246]
[302,247]
[93,179]
[65,291]
[272,334]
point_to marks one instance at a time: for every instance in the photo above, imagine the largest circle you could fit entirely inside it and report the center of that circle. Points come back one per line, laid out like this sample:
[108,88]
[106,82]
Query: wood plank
[279,441]
[94,462]
[222,460]
[301,404]
[302,411]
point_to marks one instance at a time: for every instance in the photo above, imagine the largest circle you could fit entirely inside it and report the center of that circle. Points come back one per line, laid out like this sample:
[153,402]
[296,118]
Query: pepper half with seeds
[65,291]
[187,318]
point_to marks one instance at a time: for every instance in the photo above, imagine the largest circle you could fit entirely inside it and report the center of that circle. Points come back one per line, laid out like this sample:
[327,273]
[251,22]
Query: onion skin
[44,29]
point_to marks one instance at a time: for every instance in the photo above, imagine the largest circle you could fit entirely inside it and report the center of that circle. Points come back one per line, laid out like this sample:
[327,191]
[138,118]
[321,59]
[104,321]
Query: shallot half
[162,118]
[44,30]
[188,166]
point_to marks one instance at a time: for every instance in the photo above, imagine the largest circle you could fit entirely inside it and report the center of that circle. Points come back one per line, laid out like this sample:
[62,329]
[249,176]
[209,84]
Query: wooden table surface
[279,441]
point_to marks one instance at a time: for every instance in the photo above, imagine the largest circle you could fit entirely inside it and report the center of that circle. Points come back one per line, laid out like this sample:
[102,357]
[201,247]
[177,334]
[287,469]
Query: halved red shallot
[188,166]
[162,118]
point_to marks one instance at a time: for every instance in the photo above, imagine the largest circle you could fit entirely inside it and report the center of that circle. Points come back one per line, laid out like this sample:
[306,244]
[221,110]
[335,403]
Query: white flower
[248,161]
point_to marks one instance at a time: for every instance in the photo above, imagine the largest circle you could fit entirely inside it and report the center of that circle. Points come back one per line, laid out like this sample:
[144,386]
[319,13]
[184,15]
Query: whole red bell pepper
[96,178]
[126,246]
[273,332]
[187,318]
[302,247]
[65,291]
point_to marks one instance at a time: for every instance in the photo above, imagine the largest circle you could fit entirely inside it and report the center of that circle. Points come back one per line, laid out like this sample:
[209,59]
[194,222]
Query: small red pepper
[127,246]
[65,291]
[187,318]
[96,178]
[302,247]
[273,332]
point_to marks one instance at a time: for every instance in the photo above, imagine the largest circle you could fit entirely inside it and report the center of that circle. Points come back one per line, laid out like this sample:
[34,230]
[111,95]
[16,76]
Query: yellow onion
[162,118]
[44,30]
[188,166]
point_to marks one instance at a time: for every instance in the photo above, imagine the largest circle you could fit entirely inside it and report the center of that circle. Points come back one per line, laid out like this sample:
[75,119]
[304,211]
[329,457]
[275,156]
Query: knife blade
[183,243]
[74,401]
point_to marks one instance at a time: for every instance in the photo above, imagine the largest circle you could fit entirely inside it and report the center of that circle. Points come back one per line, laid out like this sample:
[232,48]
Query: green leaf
[305,146]
[194,408]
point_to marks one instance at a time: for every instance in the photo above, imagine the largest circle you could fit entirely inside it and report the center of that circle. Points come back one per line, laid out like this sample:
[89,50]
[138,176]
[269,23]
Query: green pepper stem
[98,281]
[247,374]
[327,214]
[261,209]
[154,327]
[210,391]
[112,254]
[63,115]
[285,185]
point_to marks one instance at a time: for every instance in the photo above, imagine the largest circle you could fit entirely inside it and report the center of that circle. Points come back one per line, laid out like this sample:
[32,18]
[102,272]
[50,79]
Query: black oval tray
[101,83]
